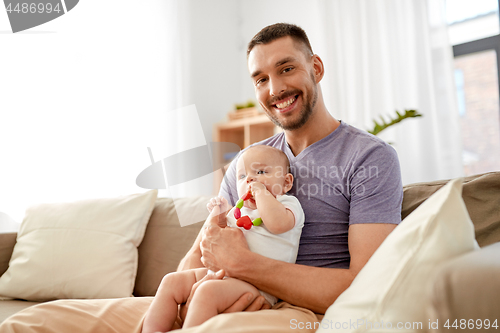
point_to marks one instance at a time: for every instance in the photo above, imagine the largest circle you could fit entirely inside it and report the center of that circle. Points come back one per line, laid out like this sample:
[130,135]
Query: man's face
[284,81]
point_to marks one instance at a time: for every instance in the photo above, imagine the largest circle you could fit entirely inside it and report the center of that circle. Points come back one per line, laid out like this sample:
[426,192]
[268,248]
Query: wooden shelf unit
[245,131]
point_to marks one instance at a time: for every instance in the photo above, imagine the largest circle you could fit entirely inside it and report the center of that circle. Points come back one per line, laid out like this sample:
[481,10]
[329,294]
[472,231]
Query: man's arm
[310,287]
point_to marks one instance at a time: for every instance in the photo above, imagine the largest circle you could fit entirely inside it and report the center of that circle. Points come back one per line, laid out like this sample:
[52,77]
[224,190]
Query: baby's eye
[241,176]
[261,172]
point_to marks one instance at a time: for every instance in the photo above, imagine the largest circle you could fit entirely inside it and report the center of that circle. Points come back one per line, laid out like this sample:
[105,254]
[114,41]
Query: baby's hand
[256,188]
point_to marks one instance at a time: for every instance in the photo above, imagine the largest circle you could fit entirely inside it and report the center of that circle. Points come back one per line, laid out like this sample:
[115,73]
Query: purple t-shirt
[348,177]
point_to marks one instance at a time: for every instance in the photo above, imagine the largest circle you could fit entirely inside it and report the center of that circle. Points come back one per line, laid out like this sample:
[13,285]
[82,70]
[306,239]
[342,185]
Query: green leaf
[399,117]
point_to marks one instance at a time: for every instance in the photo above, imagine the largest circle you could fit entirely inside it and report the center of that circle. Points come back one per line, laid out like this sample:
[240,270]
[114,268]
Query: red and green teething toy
[244,221]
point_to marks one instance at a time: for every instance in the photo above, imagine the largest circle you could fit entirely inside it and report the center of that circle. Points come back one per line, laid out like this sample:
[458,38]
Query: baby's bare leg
[213,297]
[174,290]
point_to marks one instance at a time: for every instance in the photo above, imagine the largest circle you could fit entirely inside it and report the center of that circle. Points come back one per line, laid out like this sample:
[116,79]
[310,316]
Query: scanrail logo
[26,14]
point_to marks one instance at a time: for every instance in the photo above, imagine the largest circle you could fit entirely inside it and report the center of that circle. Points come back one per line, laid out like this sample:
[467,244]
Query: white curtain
[389,55]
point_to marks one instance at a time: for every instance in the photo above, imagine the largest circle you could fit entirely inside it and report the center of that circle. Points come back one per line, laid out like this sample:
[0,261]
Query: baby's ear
[288,182]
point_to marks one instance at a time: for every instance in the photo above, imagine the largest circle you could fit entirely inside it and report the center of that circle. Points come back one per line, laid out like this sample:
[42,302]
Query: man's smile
[286,104]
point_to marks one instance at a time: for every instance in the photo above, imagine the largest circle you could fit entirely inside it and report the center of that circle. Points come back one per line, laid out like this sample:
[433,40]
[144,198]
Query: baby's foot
[218,207]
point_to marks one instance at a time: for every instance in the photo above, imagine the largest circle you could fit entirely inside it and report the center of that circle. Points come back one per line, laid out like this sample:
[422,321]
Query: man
[347,181]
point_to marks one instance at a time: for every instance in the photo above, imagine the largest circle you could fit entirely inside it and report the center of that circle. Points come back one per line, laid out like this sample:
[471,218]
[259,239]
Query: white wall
[214,61]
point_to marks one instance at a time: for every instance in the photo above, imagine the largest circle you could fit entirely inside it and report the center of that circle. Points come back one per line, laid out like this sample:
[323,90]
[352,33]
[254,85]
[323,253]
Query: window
[474,30]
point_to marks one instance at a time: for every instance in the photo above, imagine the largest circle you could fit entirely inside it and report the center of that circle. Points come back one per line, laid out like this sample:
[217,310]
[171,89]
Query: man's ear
[319,69]
[288,182]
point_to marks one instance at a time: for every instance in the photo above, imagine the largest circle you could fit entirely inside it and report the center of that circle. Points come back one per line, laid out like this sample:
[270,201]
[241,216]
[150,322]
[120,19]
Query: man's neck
[320,124]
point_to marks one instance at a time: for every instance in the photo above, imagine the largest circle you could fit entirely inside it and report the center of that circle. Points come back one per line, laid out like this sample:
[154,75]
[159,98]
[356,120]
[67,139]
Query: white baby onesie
[283,246]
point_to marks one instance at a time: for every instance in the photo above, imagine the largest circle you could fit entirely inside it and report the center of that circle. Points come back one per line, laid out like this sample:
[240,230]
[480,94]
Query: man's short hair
[280,30]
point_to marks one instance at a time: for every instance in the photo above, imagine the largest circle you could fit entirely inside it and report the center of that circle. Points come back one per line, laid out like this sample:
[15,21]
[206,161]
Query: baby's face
[259,165]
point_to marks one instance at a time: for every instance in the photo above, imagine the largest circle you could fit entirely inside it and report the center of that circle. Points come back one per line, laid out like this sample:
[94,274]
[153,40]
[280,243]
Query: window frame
[479,45]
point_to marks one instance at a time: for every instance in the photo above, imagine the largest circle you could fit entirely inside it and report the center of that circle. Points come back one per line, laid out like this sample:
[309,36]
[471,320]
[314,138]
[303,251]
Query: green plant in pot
[249,104]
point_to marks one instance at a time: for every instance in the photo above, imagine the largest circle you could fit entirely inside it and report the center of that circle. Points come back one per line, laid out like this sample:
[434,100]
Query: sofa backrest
[481,194]
[165,242]
[7,242]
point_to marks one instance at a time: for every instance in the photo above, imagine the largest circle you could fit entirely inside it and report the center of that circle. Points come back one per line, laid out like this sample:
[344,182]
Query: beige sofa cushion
[83,249]
[481,194]
[9,307]
[74,316]
[166,242]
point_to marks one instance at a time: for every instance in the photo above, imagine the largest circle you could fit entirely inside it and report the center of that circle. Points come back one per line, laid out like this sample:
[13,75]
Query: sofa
[465,288]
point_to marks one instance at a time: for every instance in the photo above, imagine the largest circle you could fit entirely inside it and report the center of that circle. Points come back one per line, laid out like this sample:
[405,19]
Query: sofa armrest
[480,194]
[467,288]
[7,242]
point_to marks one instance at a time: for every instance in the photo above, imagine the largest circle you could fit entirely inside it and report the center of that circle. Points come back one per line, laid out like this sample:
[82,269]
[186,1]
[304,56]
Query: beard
[304,114]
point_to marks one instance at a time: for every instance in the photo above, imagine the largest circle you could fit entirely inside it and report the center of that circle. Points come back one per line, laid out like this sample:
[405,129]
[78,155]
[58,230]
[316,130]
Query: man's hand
[244,304]
[222,248]
[210,276]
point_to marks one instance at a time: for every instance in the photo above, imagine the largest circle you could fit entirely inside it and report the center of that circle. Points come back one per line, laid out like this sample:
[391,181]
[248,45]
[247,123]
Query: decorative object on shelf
[244,111]
[249,104]
[377,128]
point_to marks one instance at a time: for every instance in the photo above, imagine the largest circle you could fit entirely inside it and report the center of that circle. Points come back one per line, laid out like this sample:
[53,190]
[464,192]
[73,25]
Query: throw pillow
[389,293]
[85,249]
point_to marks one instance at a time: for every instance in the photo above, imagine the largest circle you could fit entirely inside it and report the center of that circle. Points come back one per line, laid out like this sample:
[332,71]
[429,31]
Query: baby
[262,171]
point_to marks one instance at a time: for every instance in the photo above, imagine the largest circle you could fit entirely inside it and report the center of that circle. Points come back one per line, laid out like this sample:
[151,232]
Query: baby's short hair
[278,153]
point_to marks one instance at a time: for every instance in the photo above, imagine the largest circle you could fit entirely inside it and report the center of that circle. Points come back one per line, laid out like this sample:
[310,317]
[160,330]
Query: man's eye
[260,81]
[287,69]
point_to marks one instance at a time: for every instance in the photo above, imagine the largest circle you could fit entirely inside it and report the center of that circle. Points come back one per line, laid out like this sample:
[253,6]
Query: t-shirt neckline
[317,143]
